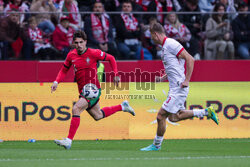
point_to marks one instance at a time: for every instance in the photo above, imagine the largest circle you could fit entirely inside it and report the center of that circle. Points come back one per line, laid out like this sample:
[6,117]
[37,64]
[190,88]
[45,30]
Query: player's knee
[98,117]
[76,110]
[160,117]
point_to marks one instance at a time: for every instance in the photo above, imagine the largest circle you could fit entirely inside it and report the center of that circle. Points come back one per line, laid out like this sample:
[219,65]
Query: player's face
[80,45]
[154,37]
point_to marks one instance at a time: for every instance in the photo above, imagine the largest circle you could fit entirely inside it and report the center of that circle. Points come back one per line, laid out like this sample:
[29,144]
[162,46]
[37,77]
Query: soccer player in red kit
[84,61]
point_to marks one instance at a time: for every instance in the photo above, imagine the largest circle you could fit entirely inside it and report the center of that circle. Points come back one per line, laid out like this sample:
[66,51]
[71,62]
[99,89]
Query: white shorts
[175,100]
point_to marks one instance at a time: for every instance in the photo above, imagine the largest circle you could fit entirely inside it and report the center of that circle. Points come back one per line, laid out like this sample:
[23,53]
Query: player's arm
[61,74]
[113,64]
[189,66]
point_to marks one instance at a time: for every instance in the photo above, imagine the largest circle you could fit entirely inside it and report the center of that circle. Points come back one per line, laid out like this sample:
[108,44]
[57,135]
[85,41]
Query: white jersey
[174,67]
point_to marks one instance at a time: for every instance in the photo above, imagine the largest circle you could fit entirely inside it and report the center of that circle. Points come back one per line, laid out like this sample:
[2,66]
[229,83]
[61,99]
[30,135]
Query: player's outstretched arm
[189,66]
[60,76]
[113,64]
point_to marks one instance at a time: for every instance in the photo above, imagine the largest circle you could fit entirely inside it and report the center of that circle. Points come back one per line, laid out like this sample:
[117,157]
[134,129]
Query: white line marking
[133,159]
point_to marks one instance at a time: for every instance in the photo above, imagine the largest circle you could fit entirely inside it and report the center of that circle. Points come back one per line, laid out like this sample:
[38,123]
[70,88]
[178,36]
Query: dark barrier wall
[39,71]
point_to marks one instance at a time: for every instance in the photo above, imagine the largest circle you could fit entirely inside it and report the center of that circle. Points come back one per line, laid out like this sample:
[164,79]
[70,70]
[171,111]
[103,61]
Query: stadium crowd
[43,29]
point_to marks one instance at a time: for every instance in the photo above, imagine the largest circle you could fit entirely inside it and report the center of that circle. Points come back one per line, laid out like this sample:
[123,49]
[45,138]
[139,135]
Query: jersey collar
[164,41]
[84,51]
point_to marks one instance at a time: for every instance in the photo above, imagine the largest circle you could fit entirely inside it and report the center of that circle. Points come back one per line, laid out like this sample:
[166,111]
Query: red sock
[75,122]
[107,111]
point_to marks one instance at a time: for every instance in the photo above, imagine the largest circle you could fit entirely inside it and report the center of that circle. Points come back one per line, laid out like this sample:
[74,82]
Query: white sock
[158,140]
[200,113]
[123,108]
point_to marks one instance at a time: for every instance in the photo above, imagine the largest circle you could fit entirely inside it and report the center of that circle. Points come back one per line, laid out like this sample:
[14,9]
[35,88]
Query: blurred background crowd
[43,29]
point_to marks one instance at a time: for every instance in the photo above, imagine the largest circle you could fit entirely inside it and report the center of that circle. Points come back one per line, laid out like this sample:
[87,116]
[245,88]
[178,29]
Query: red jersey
[85,66]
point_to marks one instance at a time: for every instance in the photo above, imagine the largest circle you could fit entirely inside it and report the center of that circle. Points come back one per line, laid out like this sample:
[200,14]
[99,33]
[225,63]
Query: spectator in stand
[176,30]
[219,35]
[57,4]
[128,32]
[159,6]
[11,36]
[19,5]
[147,42]
[193,22]
[74,16]
[1,7]
[63,36]
[99,30]
[44,20]
[111,5]
[85,6]
[206,5]
[137,8]
[229,7]
[144,4]
[241,29]
[42,48]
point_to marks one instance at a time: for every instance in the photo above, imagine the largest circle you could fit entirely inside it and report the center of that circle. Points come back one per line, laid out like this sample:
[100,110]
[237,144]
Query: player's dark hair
[80,34]
[157,27]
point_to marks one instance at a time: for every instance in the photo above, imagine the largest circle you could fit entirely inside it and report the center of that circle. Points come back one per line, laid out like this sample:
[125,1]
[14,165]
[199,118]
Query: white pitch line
[125,159]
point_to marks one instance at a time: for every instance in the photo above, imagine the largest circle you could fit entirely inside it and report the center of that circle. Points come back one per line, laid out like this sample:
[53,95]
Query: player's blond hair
[157,27]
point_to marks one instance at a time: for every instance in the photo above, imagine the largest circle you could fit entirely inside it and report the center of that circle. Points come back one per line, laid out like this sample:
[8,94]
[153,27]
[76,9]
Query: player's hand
[116,80]
[158,79]
[54,86]
[184,84]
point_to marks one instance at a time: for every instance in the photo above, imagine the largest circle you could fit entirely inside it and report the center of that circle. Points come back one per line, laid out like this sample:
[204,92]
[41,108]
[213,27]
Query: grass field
[125,153]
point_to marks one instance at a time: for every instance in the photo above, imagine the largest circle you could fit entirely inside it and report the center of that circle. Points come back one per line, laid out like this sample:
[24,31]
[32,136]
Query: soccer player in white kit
[174,57]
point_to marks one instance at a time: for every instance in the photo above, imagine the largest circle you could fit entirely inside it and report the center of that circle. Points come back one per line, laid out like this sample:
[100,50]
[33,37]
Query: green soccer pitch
[125,153]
